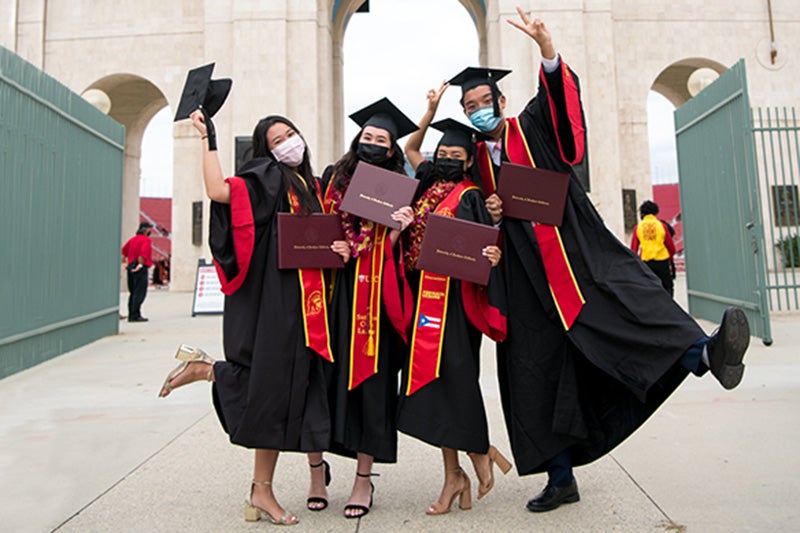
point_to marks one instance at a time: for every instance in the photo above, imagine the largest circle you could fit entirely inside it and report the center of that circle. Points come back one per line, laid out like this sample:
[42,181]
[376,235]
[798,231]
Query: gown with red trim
[589,388]
[270,391]
[449,411]
[363,419]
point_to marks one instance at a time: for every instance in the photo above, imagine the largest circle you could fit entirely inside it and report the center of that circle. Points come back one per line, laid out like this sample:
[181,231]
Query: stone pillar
[30,31]
[8,24]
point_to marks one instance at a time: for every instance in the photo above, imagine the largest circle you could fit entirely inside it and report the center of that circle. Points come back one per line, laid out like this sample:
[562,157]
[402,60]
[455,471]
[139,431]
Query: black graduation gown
[270,391]
[589,388]
[449,411]
[364,419]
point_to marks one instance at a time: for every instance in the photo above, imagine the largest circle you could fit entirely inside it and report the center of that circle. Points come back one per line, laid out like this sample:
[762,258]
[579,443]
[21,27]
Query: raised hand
[435,95]
[198,121]
[537,31]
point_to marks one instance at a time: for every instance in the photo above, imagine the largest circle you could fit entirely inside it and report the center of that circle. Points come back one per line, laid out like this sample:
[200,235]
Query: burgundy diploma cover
[304,241]
[375,193]
[533,193]
[454,247]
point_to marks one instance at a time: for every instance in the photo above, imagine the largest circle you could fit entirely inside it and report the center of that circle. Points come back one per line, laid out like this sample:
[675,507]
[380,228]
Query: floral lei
[423,207]
[360,242]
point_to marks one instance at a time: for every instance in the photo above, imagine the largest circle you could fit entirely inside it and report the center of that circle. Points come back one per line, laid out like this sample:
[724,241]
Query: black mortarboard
[472,77]
[385,115]
[203,93]
[458,134]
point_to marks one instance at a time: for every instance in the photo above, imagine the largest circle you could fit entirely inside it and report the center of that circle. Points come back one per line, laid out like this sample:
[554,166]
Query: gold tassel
[371,344]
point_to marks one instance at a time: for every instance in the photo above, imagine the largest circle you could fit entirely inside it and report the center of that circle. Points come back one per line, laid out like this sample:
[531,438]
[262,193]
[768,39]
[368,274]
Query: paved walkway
[85,445]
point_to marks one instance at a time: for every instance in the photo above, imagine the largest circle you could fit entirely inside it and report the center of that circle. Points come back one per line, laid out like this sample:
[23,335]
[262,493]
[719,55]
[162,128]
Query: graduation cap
[207,95]
[472,77]
[385,115]
[458,134]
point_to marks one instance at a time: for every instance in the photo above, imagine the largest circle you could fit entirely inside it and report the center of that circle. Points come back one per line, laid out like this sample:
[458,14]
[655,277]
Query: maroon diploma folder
[304,241]
[533,193]
[375,193]
[454,247]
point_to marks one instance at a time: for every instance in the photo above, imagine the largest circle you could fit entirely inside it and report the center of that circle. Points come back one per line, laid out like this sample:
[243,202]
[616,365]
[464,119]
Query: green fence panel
[61,164]
[720,203]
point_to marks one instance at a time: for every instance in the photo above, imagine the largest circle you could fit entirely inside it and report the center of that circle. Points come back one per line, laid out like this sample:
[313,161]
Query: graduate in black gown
[270,391]
[448,411]
[372,287]
[594,343]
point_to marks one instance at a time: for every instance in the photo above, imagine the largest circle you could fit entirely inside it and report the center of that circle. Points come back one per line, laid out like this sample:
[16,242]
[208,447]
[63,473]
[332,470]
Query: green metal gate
[777,141]
[720,203]
[60,203]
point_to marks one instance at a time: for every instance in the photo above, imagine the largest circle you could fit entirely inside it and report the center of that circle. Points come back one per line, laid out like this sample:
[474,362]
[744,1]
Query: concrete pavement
[85,445]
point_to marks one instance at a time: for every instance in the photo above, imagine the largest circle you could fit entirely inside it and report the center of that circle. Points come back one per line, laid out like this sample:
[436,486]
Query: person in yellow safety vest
[652,240]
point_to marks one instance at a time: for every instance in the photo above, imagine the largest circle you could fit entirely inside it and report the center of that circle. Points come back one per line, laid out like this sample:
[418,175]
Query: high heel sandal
[464,497]
[254,514]
[357,507]
[504,465]
[186,354]
[320,499]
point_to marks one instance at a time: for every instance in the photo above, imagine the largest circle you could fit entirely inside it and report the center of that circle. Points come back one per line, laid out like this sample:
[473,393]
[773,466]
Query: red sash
[315,308]
[429,322]
[372,288]
[563,286]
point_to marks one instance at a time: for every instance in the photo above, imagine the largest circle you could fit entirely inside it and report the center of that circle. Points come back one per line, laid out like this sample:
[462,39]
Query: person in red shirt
[138,253]
[652,240]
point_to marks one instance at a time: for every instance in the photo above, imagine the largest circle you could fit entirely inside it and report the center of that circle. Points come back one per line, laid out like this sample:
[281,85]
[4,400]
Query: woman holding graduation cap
[448,411]
[370,309]
[269,392]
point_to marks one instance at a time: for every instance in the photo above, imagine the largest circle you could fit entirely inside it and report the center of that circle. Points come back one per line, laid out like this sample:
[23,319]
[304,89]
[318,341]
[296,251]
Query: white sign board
[208,297]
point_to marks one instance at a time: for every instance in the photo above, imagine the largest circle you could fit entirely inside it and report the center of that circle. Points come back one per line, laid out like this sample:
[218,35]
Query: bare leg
[362,486]
[318,489]
[480,462]
[455,482]
[262,495]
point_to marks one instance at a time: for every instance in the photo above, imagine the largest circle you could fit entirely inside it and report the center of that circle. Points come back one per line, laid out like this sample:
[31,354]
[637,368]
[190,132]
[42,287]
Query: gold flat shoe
[186,354]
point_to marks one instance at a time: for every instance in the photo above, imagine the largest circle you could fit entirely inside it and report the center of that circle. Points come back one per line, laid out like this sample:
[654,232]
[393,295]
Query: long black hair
[344,167]
[302,186]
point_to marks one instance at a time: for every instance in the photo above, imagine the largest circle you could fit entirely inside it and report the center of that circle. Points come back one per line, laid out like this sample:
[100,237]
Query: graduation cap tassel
[210,131]
[495,96]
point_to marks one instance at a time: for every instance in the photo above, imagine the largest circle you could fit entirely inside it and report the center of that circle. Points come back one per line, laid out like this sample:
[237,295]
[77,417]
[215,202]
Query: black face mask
[372,153]
[448,169]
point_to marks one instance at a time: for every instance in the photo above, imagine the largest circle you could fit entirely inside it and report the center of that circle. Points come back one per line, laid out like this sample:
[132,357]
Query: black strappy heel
[357,507]
[320,499]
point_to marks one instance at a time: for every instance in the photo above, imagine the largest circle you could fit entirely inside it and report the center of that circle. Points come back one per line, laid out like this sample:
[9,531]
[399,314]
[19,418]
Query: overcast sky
[394,52]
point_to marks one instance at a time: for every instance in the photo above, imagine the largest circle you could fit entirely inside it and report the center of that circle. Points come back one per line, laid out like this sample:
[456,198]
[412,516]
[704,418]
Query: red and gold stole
[429,322]
[315,308]
[563,286]
[371,252]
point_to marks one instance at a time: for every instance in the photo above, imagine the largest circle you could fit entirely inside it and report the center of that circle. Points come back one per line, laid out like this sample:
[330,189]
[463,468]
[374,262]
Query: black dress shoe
[139,319]
[727,346]
[551,497]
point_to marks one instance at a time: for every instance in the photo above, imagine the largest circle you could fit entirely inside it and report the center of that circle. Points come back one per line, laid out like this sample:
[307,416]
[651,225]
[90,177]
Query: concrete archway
[673,81]
[134,102]
[340,13]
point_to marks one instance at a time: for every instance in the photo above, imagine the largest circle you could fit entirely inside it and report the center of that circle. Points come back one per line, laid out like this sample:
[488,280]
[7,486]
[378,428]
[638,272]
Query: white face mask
[290,152]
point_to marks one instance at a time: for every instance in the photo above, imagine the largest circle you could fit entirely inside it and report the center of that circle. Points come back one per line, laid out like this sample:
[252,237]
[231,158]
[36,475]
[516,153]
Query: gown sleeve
[484,306]
[233,227]
[554,117]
